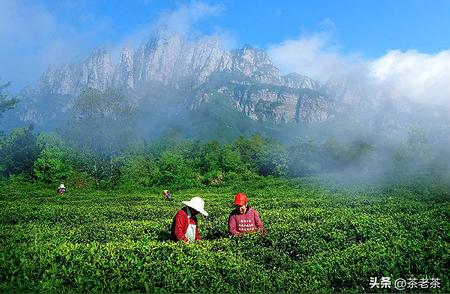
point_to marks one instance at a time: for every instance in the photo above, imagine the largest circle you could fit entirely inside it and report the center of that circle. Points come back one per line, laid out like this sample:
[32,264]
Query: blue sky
[368,26]
[38,33]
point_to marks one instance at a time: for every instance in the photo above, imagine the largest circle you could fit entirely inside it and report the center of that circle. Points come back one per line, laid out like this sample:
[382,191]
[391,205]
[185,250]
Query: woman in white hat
[184,225]
[61,189]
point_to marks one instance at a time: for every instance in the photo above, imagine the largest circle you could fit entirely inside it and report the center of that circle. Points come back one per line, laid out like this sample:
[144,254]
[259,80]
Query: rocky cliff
[199,68]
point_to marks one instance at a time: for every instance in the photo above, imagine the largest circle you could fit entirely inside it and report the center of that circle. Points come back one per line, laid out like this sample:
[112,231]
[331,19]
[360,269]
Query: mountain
[195,69]
[179,82]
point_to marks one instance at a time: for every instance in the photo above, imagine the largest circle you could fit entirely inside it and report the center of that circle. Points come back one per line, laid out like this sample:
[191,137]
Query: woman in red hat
[244,219]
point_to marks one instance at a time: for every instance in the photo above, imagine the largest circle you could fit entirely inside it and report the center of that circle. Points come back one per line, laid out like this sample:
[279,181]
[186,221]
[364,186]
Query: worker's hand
[263,232]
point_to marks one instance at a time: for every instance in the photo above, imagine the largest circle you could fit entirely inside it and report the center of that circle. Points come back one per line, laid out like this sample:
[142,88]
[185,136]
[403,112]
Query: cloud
[22,29]
[310,55]
[34,38]
[327,24]
[183,19]
[420,77]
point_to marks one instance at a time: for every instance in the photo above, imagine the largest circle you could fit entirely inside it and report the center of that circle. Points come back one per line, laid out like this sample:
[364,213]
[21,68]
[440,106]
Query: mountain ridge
[171,73]
[247,75]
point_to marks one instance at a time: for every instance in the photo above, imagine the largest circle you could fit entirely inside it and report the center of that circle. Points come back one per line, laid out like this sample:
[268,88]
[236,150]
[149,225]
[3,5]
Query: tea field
[320,238]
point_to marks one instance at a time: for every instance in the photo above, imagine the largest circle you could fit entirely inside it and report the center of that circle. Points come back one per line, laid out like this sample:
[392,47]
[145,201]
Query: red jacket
[180,225]
[244,223]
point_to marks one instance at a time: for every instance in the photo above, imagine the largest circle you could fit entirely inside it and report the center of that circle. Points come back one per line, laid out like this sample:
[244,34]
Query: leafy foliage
[414,152]
[6,103]
[320,239]
[51,166]
[54,163]
[18,151]
[139,171]
[101,121]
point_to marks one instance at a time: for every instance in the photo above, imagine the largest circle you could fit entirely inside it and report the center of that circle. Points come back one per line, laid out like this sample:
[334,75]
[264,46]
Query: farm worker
[184,224]
[167,195]
[244,219]
[61,189]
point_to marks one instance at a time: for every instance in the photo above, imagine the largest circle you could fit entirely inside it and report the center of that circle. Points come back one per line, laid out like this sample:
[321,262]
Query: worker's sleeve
[232,226]
[180,227]
[197,234]
[258,222]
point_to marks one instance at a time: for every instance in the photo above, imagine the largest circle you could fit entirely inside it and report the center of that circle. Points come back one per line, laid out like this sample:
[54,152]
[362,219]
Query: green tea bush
[321,239]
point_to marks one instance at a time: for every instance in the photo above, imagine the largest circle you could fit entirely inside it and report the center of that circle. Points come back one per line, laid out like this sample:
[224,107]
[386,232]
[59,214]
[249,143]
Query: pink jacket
[244,223]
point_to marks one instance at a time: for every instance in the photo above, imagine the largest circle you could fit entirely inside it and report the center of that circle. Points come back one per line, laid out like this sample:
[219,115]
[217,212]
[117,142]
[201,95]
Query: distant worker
[244,219]
[61,189]
[184,225]
[167,195]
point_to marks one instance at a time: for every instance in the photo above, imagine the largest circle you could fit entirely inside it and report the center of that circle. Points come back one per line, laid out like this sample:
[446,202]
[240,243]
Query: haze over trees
[6,103]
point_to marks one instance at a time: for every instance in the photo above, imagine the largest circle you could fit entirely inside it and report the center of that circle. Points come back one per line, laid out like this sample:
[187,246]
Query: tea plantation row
[319,240]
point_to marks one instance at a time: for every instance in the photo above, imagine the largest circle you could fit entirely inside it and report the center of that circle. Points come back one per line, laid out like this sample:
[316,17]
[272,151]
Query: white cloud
[183,18]
[418,76]
[304,55]
[413,75]
[327,24]
[34,38]
[314,55]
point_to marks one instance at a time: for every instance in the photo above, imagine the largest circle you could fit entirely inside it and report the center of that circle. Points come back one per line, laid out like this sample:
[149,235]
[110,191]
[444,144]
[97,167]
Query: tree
[5,102]
[18,152]
[176,171]
[101,121]
[54,162]
[231,160]
[265,156]
[332,154]
[52,166]
[303,158]
[210,155]
[250,150]
[415,152]
[101,125]
[139,170]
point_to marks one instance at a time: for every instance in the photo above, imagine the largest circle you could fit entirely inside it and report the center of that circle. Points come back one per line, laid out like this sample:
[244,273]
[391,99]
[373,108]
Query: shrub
[52,166]
[141,171]
[177,172]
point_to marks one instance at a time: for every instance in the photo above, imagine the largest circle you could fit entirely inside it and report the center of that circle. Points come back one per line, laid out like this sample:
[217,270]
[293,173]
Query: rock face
[124,73]
[95,72]
[201,69]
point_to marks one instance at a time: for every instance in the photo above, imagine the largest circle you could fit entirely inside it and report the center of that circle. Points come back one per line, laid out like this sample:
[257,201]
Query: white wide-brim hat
[198,204]
[62,186]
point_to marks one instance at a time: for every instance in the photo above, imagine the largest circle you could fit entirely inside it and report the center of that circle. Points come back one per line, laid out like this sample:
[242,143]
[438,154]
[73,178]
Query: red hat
[240,199]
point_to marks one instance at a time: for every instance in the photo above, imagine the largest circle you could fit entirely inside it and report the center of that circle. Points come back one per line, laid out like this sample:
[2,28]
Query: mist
[391,101]
[386,115]
[398,75]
